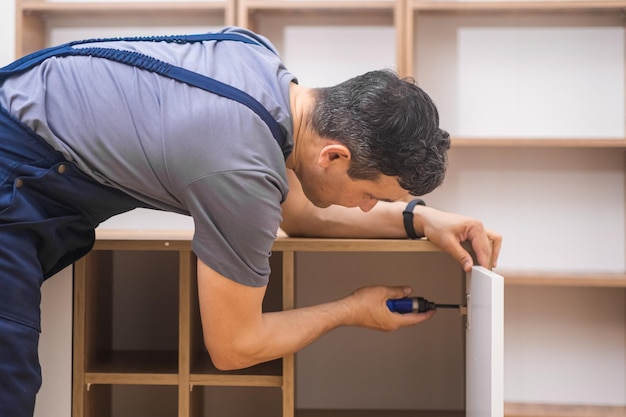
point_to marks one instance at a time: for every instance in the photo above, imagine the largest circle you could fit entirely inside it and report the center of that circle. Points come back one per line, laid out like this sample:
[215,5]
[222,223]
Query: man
[213,126]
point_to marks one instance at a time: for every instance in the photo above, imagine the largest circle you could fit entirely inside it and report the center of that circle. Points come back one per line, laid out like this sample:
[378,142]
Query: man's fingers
[496,240]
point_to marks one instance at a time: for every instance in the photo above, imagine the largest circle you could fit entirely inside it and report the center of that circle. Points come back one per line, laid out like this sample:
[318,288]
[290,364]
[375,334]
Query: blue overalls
[49,210]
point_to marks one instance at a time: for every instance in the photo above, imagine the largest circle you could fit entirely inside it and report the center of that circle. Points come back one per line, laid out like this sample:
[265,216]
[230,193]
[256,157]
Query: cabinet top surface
[177,239]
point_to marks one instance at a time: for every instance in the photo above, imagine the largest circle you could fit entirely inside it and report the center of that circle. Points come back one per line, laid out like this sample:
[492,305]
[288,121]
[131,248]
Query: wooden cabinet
[138,344]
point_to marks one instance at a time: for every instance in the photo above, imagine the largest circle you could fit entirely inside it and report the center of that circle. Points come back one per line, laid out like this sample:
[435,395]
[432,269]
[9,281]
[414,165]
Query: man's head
[390,127]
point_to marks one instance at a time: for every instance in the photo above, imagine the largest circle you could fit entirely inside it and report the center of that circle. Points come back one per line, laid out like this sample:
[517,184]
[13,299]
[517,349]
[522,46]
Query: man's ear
[333,153]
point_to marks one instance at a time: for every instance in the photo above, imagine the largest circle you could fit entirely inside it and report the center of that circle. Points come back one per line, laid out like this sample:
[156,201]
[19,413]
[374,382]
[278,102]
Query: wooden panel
[564,279]
[187,272]
[462,5]
[112,378]
[459,142]
[288,272]
[92,328]
[230,380]
[101,8]
[555,410]
[180,240]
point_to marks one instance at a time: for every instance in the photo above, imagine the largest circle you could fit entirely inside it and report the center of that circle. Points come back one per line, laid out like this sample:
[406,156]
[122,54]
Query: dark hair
[390,126]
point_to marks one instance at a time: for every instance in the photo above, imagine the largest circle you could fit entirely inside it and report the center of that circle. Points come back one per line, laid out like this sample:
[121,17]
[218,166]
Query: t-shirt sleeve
[236,216]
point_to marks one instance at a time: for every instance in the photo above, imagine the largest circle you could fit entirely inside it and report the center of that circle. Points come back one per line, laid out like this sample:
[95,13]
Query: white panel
[541,82]
[485,344]
[323,56]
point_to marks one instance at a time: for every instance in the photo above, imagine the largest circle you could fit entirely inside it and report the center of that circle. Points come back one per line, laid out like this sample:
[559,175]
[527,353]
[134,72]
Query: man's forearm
[282,333]
[383,221]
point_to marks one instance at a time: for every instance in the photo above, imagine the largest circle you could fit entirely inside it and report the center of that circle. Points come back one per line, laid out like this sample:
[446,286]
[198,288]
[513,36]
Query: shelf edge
[563,279]
[461,142]
[538,6]
[235,380]
[131,378]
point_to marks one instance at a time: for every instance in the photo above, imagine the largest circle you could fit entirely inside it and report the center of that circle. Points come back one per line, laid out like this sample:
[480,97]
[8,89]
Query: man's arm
[446,230]
[238,334]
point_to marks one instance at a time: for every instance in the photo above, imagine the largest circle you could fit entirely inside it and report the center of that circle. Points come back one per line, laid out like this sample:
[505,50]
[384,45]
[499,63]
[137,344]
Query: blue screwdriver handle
[401,305]
[410,305]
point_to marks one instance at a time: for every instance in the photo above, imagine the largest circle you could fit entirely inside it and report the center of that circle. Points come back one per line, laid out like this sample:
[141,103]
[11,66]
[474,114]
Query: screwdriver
[416,305]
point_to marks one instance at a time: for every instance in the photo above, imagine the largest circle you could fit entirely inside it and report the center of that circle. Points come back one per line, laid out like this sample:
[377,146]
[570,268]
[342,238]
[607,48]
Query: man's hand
[369,308]
[449,230]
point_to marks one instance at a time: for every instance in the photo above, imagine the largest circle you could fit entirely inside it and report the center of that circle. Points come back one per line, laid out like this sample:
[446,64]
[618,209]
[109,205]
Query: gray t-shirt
[175,147]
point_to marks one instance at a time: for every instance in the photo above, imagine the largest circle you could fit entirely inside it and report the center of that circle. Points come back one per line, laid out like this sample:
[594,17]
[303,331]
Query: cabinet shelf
[456,5]
[236,380]
[322,5]
[561,410]
[564,279]
[108,8]
[460,142]
[268,374]
[113,378]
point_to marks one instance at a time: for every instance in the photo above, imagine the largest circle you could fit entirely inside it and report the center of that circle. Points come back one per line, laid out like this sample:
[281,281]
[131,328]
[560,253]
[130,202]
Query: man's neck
[301,103]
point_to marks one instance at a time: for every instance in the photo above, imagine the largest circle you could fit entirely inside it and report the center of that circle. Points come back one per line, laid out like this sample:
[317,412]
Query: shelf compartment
[117,325]
[309,25]
[135,362]
[131,400]
[462,36]
[268,374]
[236,401]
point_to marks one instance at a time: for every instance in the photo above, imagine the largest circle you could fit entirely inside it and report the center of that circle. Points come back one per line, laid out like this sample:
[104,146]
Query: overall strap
[29,61]
[157,66]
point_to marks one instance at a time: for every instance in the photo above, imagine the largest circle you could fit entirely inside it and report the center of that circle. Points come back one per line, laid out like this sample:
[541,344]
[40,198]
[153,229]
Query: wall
[55,347]
[55,350]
